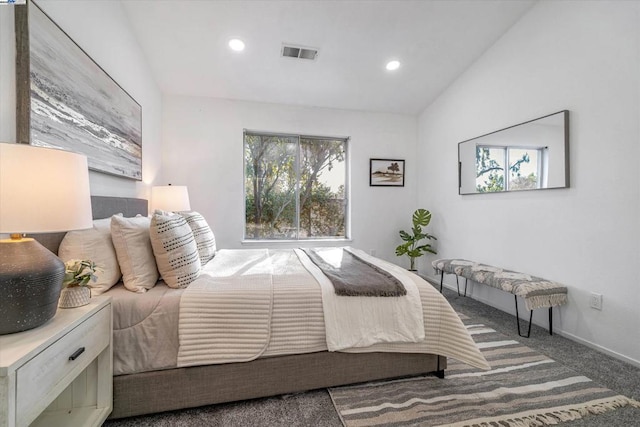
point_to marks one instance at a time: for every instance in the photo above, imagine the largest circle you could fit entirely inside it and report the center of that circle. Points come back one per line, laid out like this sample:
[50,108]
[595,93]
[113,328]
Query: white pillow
[203,235]
[175,250]
[133,247]
[94,244]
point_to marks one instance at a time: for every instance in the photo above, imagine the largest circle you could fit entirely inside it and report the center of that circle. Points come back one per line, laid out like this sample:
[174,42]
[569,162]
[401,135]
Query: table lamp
[42,190]
[173,198]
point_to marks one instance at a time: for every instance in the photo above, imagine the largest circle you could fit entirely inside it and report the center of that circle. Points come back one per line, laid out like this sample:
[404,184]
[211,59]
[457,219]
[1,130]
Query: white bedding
[252,303]
[225,314]
[362,321]
[297,322]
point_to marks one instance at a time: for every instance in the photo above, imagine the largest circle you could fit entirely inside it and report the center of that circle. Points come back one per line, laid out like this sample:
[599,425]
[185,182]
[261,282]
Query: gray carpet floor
[314,408]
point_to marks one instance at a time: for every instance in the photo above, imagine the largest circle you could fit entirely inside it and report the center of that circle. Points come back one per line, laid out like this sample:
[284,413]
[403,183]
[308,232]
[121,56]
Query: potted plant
[77,274]
[411,246]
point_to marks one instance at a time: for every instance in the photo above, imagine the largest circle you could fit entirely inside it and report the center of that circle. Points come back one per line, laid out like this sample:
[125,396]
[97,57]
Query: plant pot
[74,297]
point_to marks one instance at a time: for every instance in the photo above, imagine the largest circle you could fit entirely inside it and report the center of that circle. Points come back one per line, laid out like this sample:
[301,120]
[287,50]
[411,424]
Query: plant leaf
[421,217]
[402,249]
[426,248]
[414,253]
[406,236]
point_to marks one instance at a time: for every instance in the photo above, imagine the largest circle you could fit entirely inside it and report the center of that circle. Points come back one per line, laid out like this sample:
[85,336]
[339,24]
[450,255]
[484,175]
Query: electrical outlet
[595,301]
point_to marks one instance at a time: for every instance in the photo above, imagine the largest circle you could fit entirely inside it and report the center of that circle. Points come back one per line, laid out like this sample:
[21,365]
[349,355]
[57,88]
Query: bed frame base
[158,391]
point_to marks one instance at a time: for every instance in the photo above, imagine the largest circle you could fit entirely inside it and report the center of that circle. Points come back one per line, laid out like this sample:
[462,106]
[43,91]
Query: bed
[152,373]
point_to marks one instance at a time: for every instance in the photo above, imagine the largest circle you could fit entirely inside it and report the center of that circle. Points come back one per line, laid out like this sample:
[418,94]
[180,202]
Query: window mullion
[507,168]
[298,207]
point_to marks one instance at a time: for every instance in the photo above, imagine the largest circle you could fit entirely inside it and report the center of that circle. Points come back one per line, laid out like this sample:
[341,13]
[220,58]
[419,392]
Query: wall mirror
[533,155]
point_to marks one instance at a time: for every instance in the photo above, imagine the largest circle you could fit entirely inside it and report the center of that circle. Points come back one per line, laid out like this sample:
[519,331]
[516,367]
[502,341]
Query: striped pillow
[205,239]
[175,250]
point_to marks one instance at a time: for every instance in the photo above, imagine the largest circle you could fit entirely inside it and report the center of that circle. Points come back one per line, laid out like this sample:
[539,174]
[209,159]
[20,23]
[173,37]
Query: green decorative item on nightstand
[75,290]
[411,246]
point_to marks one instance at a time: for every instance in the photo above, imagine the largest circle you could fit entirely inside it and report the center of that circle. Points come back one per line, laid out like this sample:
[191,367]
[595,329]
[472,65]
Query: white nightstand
[61,373]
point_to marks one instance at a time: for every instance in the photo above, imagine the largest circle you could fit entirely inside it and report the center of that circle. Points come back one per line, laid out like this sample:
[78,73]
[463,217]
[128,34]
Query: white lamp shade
[43,190]
[172,198]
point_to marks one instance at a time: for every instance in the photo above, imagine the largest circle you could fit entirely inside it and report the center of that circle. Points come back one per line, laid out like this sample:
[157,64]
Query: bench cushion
[535,291]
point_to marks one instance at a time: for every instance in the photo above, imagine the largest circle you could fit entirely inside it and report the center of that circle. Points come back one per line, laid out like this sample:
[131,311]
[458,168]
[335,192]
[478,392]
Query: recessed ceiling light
[393,65]
[236,44]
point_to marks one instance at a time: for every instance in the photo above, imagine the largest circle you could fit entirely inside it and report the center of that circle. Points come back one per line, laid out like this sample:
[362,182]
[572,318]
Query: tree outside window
[523,168]
[295,187]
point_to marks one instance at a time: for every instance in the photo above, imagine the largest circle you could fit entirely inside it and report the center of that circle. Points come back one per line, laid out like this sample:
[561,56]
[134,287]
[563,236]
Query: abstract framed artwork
[386,173]
[67,101]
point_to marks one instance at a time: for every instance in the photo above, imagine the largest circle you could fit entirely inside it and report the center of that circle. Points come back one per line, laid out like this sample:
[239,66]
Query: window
[295,187]
[525,169]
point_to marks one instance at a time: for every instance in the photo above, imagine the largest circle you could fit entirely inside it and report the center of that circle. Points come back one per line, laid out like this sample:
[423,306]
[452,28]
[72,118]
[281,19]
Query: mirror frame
[565,117]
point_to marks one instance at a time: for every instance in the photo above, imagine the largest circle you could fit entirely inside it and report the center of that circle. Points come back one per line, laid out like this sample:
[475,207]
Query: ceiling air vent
[291,51]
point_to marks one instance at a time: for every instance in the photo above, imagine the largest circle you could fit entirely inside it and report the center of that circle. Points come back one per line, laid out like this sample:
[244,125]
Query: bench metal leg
[518,320]
[466,282]
[550,321]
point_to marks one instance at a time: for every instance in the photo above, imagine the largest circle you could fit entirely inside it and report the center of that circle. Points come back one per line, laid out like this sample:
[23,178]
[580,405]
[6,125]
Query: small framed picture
[386,173]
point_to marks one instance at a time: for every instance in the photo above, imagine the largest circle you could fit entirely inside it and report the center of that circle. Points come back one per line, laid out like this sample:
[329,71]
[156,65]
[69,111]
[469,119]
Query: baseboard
[560,332]
[600,348]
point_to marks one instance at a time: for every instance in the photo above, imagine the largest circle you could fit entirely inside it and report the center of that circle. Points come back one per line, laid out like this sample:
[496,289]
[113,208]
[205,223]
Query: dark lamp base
[30,283]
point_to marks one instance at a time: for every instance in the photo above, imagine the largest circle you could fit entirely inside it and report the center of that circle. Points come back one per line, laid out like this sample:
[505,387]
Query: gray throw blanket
[356,277]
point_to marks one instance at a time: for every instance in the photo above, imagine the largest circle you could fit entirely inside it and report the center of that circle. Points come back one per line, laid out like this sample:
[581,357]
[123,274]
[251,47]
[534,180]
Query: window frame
[347,190]
[541,166]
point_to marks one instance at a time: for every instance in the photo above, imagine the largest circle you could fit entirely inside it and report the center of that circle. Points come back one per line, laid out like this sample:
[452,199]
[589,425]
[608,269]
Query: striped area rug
[523,388]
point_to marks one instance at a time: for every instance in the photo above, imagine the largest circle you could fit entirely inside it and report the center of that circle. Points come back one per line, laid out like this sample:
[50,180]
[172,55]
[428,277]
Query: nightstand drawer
[42,378]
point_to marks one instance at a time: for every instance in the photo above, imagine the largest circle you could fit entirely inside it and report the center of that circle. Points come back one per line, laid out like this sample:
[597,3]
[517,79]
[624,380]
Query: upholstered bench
[536,292]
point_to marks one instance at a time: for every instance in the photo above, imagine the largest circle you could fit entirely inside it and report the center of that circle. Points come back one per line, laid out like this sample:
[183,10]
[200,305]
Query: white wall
[580,56]
[203,148]
[101,28]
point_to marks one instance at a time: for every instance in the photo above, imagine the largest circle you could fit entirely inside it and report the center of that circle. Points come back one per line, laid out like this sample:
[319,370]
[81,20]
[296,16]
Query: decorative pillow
[133,248]
[205,239]
[94,244]
[175,250]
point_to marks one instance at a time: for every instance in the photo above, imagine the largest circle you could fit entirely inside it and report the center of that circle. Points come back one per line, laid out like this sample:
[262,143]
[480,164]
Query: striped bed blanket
[257,303]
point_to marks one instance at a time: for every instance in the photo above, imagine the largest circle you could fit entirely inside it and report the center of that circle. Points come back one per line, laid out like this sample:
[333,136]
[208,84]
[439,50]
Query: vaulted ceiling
[186,44]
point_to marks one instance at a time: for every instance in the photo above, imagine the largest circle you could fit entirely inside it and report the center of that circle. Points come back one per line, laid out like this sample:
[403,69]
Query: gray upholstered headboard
[102,207]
